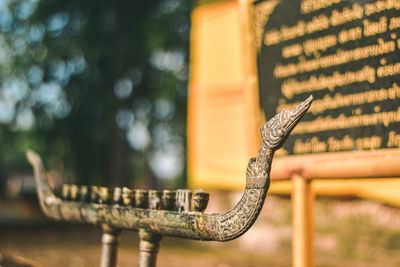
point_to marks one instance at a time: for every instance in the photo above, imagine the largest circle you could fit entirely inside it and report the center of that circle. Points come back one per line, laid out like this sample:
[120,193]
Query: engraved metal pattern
[185,223]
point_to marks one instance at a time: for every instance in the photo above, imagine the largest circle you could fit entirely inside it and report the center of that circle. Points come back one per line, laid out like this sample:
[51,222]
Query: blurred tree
[97,85]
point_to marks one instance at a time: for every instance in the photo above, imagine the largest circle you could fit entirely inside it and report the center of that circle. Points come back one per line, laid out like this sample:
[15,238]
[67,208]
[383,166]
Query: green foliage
[98,88]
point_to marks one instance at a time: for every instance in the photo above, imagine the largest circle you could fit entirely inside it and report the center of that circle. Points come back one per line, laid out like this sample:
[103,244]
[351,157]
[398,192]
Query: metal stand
[149,246]
[109,250]
[177,213]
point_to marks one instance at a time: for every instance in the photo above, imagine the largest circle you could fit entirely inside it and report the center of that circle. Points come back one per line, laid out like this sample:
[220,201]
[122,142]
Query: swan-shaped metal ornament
[152,223]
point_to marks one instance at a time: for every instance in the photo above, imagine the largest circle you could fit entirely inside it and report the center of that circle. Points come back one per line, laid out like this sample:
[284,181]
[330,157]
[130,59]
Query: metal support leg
[149,246]
[109,250]
[303,222]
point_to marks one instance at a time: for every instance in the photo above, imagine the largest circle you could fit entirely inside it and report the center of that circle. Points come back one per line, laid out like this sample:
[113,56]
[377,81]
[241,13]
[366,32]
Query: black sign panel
[346,53]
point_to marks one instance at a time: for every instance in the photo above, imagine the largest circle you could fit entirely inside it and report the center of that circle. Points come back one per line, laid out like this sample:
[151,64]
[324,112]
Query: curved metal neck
[49,203]
[192,225]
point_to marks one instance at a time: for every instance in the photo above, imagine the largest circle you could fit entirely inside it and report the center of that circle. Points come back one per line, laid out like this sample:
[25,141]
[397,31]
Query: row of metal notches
[174,200]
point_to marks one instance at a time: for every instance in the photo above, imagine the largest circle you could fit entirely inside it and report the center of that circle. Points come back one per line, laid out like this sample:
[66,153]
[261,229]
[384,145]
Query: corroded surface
[187,224]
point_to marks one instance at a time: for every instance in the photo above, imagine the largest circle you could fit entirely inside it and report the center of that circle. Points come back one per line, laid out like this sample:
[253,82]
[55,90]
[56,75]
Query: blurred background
[99,89]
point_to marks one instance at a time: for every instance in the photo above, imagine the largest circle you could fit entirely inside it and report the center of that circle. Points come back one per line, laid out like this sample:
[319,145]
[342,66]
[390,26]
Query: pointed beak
[298,112]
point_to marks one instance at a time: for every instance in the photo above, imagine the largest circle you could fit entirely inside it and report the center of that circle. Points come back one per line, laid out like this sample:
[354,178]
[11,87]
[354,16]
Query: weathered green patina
[192,225]
[183,222]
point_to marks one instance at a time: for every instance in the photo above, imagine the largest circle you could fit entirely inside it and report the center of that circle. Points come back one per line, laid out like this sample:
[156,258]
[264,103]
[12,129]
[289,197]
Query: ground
[347,233]
[80,246]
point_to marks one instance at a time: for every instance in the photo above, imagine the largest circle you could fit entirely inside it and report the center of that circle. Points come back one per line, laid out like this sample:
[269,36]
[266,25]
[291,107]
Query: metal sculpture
[155,214]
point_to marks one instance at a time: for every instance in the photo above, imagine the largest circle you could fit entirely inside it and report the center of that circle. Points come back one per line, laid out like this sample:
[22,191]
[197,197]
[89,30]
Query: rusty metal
[105,195]
[168,200]
[84,192]
[149,246]
[65,192]
[141,198]
[155,197]
[94,194]
[184,217]
[74,192]
[200,201]
[117,196]
[183,200]
[128,197]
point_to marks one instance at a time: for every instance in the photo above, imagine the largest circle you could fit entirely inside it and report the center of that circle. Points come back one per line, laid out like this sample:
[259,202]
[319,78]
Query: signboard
[347,55]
